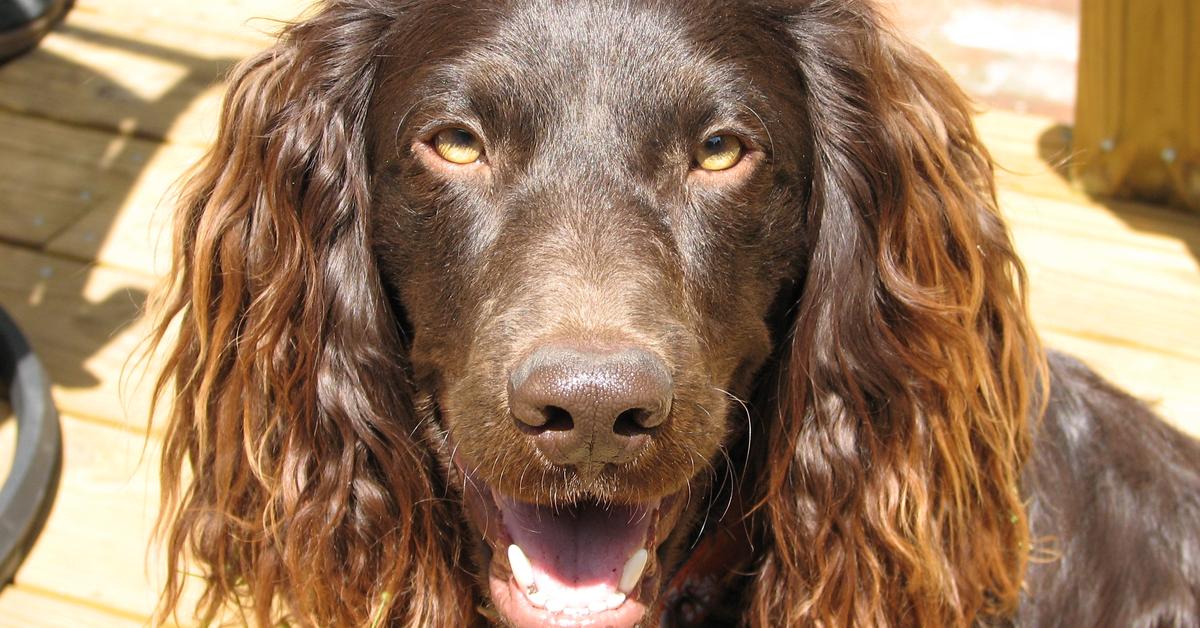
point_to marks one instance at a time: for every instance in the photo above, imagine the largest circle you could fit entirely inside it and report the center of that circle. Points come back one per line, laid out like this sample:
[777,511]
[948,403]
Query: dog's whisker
[765,127]
[749,427]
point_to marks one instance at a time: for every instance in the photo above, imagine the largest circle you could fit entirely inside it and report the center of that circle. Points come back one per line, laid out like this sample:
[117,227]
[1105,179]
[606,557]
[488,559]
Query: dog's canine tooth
[538,599]
[614,601]
[633,570]
[522,571]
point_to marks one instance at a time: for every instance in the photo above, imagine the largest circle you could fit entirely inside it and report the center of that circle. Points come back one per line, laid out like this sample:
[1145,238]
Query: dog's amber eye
[458,146]
[719,152]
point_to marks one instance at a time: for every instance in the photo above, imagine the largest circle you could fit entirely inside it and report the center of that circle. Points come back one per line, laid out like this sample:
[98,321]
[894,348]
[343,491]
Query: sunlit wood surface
[97,125]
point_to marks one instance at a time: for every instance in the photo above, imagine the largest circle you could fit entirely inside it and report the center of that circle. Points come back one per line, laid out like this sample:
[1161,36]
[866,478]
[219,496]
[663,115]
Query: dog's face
[586,214]
[499,275]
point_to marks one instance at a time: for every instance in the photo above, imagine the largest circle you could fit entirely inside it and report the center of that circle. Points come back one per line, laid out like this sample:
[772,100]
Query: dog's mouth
[585,563]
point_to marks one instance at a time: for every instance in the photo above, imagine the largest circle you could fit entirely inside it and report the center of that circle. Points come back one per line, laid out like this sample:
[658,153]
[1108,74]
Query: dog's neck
[703,590]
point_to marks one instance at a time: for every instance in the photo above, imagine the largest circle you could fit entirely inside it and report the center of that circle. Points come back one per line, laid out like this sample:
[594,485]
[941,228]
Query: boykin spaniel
[634,312]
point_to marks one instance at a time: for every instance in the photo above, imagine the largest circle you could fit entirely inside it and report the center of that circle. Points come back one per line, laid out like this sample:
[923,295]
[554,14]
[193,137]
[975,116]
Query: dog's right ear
[292,482]
[892,493]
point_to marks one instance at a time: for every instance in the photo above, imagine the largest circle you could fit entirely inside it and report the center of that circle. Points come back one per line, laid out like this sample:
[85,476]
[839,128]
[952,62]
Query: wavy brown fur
[907,385]
[291,413]
[336,331]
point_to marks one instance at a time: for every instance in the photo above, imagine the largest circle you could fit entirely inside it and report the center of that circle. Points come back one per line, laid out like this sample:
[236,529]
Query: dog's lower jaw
[517,607]
[582,564]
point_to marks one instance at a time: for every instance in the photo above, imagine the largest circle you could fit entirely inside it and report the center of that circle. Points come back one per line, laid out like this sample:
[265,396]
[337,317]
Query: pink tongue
[577,552]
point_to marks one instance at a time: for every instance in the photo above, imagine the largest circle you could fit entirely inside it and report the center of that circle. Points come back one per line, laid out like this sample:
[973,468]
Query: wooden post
[1137,115]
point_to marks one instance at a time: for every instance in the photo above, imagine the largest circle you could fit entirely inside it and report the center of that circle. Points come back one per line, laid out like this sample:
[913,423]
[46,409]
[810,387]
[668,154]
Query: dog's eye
[719,152]
[458,146]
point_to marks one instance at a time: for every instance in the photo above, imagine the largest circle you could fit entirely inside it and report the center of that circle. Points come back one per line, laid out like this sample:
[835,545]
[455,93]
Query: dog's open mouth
[580,564]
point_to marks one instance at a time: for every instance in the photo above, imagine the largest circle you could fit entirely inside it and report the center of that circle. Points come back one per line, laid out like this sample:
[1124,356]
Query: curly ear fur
[891,490]
[287,381]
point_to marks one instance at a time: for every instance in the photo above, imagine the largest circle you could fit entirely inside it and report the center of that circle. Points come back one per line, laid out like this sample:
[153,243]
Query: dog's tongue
[578,553]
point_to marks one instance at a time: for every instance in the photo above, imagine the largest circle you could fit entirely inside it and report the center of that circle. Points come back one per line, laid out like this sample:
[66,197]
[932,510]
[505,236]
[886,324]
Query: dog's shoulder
[1113,496]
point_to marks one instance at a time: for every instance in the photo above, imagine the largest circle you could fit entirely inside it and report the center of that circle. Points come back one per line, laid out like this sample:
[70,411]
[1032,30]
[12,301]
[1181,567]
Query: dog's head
[483,303]
[577,210]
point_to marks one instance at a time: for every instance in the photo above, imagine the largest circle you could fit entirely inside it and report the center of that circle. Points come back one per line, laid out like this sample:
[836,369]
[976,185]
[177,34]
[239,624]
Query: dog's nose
[589,406]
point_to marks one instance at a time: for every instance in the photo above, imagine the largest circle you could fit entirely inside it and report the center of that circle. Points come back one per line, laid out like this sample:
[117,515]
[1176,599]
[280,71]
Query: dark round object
[33,480]
[24,23]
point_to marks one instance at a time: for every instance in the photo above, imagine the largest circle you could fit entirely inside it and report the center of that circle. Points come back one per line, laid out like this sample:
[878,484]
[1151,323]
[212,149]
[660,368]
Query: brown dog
[608,313]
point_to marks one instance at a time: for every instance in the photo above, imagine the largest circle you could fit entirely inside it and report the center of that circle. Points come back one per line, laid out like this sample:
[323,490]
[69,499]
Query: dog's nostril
[633,422]
[539,420]
[557,420]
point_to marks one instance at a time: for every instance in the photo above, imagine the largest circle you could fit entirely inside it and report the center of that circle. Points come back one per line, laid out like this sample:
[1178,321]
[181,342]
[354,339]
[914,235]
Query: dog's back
[1114,510]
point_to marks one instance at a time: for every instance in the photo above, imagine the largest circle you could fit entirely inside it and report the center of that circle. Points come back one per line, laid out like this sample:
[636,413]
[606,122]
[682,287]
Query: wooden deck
[97,124]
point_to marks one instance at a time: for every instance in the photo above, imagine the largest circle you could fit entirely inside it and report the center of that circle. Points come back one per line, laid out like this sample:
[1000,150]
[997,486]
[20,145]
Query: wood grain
[95,537]
[84,323]
[1138,113]
[22,607]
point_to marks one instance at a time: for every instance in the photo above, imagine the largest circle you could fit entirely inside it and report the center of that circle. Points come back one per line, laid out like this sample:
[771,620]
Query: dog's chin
[583,563]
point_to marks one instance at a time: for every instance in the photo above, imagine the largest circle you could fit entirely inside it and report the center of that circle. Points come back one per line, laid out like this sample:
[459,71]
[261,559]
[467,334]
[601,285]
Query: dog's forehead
[578,34]
[590,64]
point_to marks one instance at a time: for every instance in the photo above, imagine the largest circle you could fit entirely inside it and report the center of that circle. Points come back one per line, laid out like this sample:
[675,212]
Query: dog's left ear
[294,485]
[891,492]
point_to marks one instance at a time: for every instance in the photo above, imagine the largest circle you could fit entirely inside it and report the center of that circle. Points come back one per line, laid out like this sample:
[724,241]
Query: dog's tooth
[555,606]
[633,570]
[538,599]
[522,571]
[599,606]
[615,600]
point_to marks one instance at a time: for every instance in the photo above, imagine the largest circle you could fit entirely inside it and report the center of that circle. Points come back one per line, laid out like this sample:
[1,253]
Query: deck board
[86,194]
[21,607]
[105,117]
[93,546]
[131,231]
[150,69]
[82,319]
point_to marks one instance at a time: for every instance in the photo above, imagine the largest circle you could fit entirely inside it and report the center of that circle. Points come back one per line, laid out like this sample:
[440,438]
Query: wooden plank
[1161,272]
[22,608]
[49,176]
[132,229]
[64,79]
[147,69]
[1023,131]
[93,546]
[84,323]
[94,192]
[1033,155]
[1138,112]
[1115,283]
[1100,270]
[1078,302]
[1132,225]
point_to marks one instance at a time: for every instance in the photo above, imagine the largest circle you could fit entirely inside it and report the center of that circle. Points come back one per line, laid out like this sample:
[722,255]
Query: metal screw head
[1169,155]
[1108,144]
